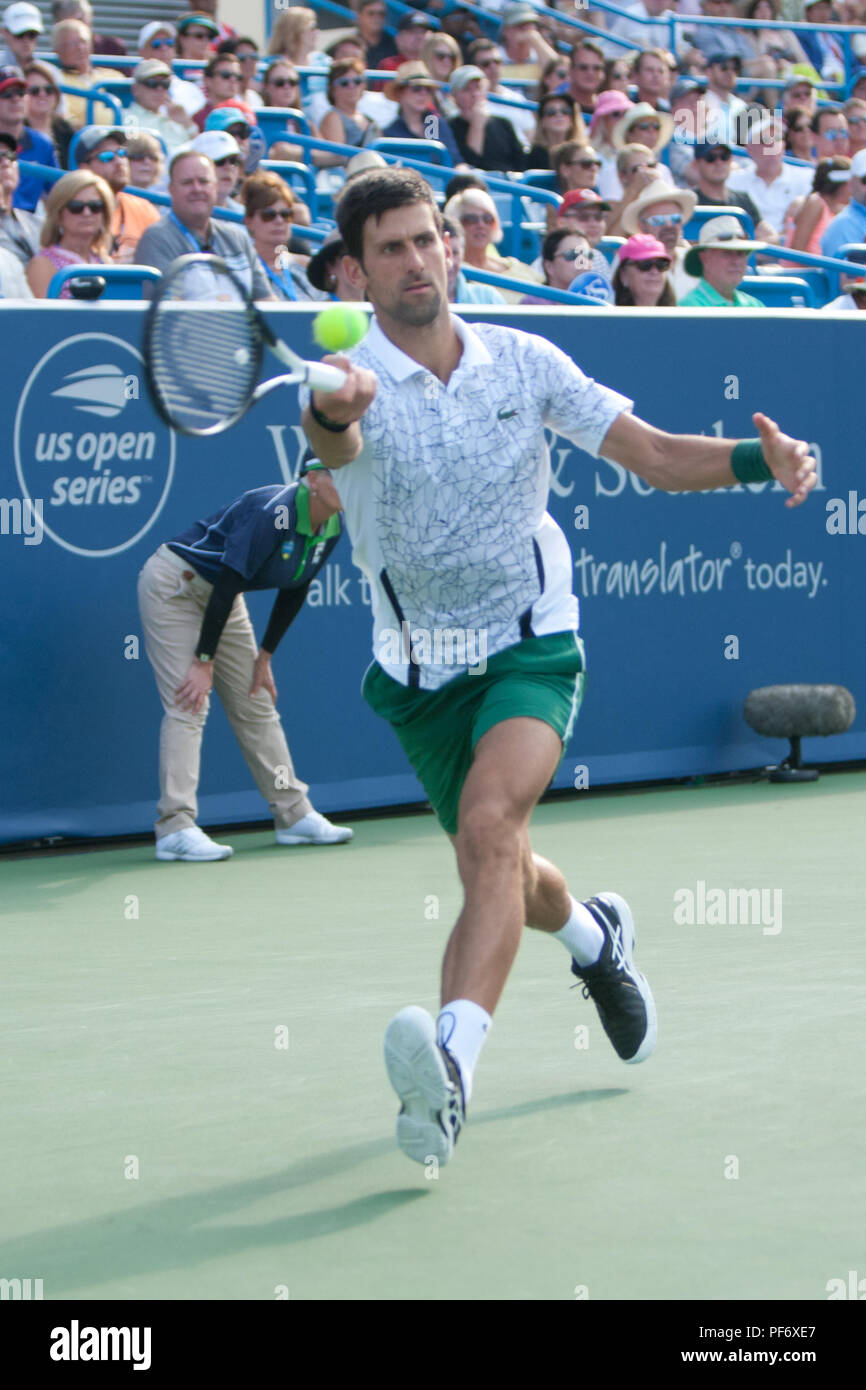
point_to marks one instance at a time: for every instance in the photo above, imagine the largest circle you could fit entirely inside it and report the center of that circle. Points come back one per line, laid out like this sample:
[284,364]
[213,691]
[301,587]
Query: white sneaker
[192,846]
[427,1080]
[314,830]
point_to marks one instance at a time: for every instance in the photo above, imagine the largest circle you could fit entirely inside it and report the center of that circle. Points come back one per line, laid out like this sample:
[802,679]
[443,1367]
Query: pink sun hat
[642,248]
[608,103]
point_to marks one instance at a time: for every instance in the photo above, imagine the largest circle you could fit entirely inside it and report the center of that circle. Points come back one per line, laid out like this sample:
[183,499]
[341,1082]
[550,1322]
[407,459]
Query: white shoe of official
[314,829]
[192,846]
[427,1081]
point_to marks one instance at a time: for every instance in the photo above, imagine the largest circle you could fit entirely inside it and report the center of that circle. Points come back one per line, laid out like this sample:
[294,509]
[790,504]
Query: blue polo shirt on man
[37,149]
[265,536]
[847,226]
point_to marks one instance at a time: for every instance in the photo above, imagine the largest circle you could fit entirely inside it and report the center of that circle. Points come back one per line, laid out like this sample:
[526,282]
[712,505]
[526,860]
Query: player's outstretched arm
[697,462]
[341,410]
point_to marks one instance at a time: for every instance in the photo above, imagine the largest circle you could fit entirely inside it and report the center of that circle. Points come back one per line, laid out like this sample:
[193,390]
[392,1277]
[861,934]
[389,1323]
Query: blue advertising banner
[687,601]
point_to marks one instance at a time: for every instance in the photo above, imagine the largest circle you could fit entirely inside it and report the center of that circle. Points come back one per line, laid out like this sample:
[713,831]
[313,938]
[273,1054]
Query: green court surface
[161,1142]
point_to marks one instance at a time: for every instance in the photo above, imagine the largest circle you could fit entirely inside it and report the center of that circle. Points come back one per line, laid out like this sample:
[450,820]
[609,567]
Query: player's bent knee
[487,832]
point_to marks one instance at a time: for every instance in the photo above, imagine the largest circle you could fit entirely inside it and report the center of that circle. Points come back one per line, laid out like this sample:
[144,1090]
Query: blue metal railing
[526,287]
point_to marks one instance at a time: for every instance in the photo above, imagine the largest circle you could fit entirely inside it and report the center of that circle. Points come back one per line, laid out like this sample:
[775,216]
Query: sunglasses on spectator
[271,214]
[572,255]
[583,163]
[109,156]
[663,219]
[197,34]
[834,135]
[7,157]
[852,120]
[728,66]
[156,84]
[589,67]
[645,266]
[241,131]
[46,91]
[77,205]
[631,173]
[162,43]
[29,34]
[443,54]
[580,213]
[228,161]
[645,125]
[350,82]
[556,111]
[283,81]
[11,95]
[722,155]
[247,57]
[561,73]
[145,158]
[472,219]
[228,74]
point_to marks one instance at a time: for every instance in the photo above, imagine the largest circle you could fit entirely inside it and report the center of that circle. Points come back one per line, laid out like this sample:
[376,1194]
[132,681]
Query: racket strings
[204,358]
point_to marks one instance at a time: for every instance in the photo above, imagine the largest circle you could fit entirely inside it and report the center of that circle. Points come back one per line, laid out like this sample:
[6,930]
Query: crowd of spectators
[632,140]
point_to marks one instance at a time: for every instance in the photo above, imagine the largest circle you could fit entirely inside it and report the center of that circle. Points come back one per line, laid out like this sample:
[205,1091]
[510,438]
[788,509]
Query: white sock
[581,936]
[462,1027]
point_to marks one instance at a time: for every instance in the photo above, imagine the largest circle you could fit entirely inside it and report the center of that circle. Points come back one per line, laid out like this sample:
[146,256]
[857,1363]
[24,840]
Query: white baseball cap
[858,164]
[150,31]
[216,144]
[21,19]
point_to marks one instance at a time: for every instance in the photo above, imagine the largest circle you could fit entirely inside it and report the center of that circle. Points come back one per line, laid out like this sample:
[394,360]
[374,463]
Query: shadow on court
[531,1107]
[178,1233]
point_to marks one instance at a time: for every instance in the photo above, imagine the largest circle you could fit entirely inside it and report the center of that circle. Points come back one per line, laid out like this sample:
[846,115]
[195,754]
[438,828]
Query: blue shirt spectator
[850,224]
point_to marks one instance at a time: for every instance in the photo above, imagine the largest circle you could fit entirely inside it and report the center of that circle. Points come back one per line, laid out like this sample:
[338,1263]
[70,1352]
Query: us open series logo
[88,444]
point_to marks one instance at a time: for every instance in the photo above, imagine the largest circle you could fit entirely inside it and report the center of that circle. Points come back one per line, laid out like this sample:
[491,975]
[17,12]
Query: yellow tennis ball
[339,327]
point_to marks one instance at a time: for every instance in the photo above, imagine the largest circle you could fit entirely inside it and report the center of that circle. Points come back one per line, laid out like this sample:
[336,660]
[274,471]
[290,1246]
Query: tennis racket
[204,344]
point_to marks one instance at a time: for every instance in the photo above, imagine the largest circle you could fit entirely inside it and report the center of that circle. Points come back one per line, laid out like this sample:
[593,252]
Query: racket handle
[321,377]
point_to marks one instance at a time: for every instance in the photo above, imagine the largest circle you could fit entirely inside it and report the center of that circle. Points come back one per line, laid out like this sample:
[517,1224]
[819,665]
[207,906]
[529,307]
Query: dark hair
[353,37]
[795,115]
[460,182]
[822,183]
[560,153]
[609,67]
[553,241]
[217,61]
[341,67]
[666,300]
[374,193]
[831,109]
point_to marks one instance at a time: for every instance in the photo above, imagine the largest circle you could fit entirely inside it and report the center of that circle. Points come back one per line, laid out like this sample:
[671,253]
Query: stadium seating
[779,291]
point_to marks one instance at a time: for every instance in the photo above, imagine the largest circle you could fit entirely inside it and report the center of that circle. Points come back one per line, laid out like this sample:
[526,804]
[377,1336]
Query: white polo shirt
[773,199]
[446,504]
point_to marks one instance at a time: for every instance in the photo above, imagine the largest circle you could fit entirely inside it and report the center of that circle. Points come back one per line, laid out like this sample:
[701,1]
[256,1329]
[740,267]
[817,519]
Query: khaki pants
[172,599]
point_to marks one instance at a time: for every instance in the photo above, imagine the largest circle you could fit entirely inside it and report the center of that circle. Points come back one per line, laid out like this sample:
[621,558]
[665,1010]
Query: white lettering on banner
[277,433]
[846,516]
[103,488]
[691,573]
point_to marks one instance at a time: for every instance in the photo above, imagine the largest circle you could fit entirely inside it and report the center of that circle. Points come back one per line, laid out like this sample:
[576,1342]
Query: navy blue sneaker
[619,991]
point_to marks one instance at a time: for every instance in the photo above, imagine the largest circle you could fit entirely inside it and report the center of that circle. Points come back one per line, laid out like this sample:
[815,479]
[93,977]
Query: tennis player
[438,432]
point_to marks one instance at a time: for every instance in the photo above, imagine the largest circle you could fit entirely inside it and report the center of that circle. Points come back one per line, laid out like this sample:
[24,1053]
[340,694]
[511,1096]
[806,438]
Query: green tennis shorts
[540,678]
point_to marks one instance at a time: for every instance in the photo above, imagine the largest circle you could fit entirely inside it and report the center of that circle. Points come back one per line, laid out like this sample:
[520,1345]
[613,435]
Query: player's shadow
[562,1101]
[180,1232]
